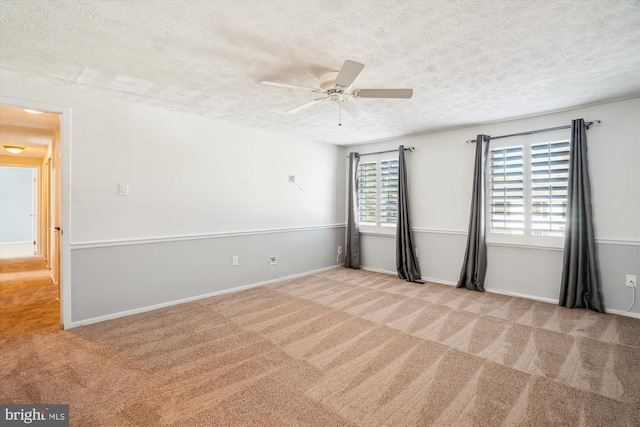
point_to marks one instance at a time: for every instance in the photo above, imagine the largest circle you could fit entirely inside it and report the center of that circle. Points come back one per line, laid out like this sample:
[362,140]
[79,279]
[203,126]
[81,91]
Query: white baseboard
[190,299]
[377,270]
[439,281]
[424,279]
[622,313]
[519,295]
[508,293]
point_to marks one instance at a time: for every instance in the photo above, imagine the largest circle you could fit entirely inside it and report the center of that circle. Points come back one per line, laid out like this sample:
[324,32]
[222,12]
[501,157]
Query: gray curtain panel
[406,260]
[352,247]
[580,286]
[474,266]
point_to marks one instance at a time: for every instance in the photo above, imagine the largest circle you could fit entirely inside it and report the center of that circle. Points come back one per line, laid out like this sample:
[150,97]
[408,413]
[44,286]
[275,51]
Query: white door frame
[65,195]
[35,209]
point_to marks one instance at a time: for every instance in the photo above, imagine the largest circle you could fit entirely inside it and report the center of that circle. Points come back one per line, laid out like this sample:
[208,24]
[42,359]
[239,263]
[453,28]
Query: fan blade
[383,93]
[305,105]
[348,73]
[287,86]
[352,108]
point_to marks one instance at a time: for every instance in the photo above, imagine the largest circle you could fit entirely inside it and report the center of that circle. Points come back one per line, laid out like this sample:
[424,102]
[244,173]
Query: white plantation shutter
[506,198]
[378,193]
[368,192]
[549,176]
[527,200]
[389,191]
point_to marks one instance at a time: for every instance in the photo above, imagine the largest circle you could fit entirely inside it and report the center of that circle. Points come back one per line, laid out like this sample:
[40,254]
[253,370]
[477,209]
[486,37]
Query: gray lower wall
[118,279]
[616,261]
[527,272]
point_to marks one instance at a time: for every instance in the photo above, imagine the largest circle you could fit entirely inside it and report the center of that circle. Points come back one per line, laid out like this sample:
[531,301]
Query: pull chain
[339,114]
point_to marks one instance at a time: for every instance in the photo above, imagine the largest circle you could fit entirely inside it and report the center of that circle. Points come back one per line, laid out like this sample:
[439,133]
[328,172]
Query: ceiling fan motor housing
[328,81]
[328,86]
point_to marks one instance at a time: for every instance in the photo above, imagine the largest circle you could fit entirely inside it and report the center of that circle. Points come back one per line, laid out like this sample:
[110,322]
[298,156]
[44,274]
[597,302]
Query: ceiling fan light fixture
[15,149]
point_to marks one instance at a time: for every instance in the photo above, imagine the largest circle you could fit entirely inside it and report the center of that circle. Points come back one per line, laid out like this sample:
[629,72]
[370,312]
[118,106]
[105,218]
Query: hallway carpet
[28,297]
[338,348]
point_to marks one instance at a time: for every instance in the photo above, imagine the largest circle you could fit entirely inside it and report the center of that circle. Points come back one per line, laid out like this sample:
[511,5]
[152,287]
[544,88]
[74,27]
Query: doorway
[29,269]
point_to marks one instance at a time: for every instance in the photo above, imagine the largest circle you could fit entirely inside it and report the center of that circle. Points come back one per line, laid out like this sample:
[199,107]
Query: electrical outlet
[273,260]
[234,260]
[632,281]
[339,250]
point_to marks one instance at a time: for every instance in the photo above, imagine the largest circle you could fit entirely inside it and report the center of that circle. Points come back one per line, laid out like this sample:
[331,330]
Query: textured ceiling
[468,61]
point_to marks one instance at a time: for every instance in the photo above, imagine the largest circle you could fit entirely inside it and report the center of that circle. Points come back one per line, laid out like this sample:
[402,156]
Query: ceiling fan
[336,87]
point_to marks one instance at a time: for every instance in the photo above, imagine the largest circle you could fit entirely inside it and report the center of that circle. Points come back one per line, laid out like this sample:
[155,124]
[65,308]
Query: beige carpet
[28,297]
[340,348]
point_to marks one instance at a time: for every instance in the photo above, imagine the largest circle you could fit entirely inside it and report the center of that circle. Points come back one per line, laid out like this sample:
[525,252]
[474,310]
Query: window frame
[526,239]
[379,227]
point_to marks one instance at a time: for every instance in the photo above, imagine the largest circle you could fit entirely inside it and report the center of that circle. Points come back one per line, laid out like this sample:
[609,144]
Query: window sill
[379,233]
[498,244]
[523,246]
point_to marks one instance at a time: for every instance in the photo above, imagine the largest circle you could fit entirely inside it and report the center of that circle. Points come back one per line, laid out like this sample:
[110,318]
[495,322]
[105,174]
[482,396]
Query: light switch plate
[123,189]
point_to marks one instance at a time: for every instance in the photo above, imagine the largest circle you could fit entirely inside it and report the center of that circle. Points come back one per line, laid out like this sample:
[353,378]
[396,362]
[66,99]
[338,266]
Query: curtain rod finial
[594,123]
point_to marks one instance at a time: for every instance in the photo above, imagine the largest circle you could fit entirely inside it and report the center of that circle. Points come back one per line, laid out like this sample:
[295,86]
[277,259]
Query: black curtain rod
[593,123]
[382,152]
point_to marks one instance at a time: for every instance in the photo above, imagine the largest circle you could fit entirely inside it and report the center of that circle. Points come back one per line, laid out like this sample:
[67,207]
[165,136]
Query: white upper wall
[187,175]
[441,168]
[191,175]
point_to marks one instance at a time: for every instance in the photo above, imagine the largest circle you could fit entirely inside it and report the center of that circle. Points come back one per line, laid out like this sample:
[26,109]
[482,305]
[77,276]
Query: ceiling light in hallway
[13,149]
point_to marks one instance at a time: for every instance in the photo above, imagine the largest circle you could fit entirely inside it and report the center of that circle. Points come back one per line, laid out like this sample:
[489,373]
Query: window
[368,193]
[528,193]
[507,191]
[378,194]
[549,178]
